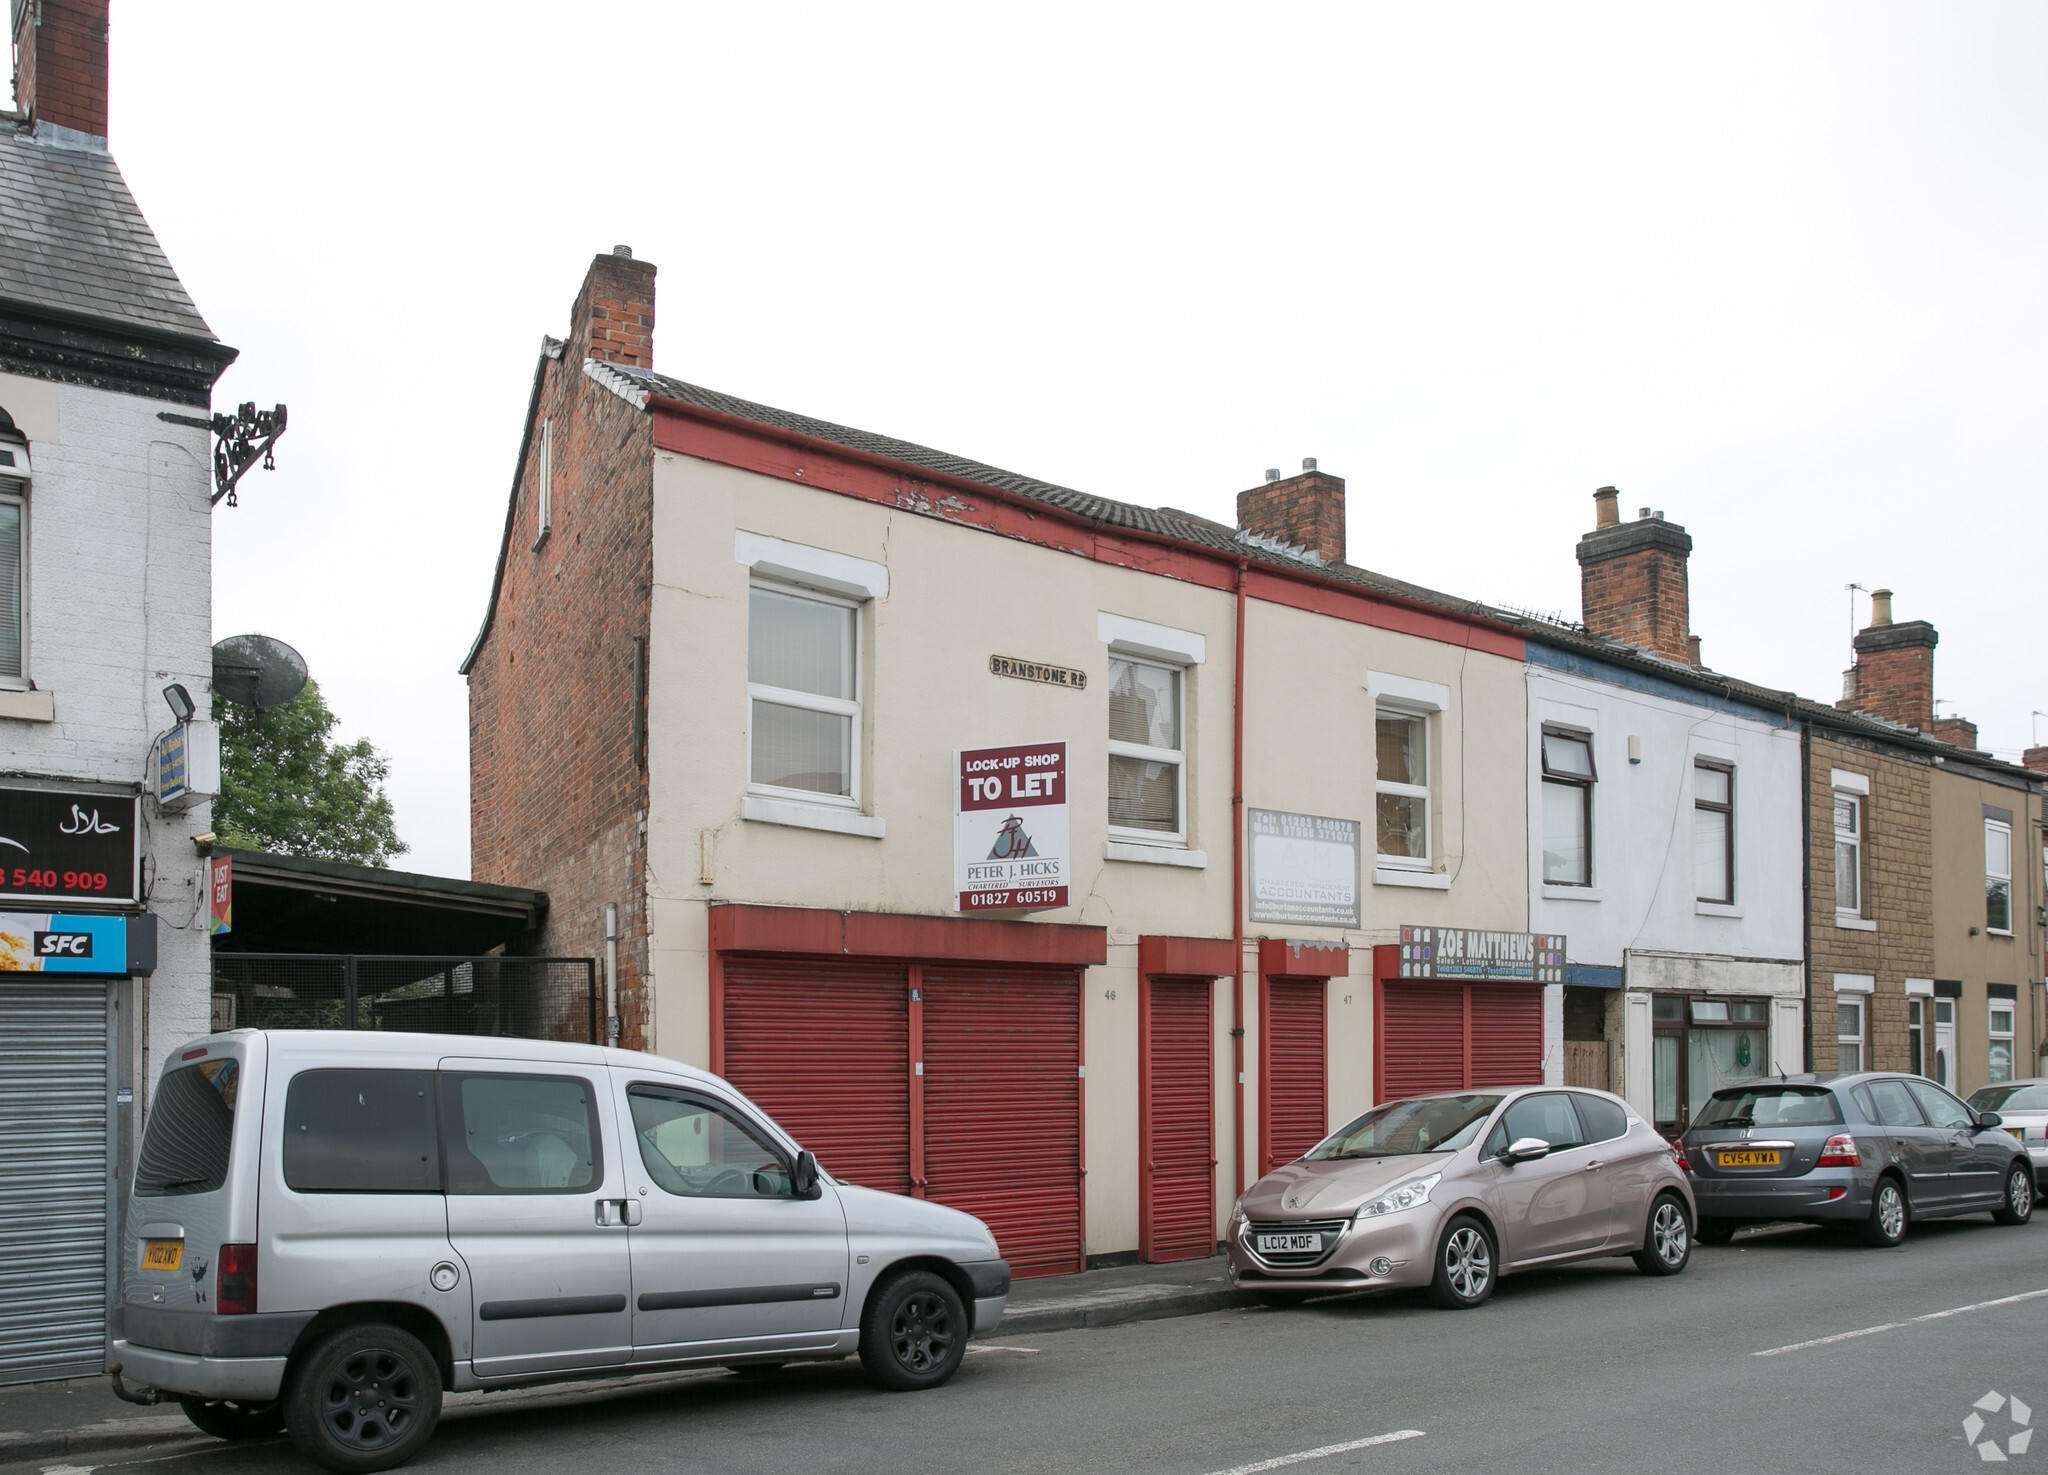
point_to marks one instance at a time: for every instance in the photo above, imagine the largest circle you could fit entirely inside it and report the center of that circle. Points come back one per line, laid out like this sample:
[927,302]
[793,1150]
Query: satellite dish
[257,671]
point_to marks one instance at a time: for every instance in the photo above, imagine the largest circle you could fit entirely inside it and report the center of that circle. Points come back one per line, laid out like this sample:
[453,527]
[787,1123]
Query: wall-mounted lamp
[180,701]
[1635,748]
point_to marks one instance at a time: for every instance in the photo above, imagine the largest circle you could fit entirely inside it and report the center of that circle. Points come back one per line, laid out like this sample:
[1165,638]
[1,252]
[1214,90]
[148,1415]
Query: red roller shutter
[1002,1109]
[1507,1035]
[1177,1211]
[1296,1093]
[1422,1039]
[825,1049]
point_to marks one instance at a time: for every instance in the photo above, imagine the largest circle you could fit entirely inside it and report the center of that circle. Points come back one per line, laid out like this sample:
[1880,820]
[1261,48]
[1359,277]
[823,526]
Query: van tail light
[1840,1152]
[236,1292]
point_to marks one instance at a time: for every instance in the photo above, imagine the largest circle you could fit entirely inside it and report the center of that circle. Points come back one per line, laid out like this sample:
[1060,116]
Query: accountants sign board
[1467,954]
[1010,842]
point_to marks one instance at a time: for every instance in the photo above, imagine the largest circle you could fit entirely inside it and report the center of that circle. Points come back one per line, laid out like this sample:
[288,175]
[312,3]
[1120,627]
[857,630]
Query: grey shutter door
[53,1177]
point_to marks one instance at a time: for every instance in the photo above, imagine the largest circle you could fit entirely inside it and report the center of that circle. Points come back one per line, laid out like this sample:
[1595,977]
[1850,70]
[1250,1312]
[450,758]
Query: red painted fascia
[1185,957]
[790,455]
[1280,958]
[738,928]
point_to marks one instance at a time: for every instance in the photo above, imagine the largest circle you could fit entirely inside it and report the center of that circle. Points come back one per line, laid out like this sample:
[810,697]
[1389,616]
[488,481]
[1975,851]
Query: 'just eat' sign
[1010,843]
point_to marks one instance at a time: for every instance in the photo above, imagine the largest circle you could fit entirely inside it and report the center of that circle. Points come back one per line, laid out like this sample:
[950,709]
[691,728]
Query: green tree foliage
[287,788]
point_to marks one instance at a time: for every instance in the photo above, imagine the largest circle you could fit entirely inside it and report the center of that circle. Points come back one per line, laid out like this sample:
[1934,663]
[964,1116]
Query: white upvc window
[1401,780]
[1848,854]
[1848,1033]
[1147,751]
[14,480]
[1713,830]
[544,483]
[803,694]
[1998,877]
[1568,780]
[2001,1040]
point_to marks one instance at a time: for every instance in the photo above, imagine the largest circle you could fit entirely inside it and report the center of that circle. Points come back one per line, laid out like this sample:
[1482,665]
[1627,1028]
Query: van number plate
[1289,1244]
[162,1254]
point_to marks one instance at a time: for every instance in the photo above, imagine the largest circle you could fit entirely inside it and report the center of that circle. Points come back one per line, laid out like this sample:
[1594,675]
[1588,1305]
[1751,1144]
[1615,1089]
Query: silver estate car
[1870,1149]
[2022,1107]
[1452,1192]
[328,1229]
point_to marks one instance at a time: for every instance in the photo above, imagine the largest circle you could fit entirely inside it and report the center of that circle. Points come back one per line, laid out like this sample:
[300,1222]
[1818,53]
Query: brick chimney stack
[1893,677]
[2036,759]
[60,63]
[1632,580]
[613,319]
[1306,511]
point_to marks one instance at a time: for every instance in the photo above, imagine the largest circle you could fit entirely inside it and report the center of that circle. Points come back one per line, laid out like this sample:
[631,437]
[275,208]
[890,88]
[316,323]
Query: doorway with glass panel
[1698,1046]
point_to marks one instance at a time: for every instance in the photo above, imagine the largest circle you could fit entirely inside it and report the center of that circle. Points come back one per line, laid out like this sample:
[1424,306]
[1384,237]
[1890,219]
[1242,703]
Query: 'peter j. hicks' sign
[1465,953]
[61,846]
[1010,843]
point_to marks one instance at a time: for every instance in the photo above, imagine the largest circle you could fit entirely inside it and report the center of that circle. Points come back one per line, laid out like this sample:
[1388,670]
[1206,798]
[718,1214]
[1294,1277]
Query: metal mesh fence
[528,998]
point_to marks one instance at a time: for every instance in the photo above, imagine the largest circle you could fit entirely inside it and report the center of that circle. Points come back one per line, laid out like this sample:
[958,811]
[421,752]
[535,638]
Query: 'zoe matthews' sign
[1010,843]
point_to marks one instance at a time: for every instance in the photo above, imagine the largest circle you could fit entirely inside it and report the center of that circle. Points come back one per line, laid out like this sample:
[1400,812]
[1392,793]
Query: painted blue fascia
[1592,975]
[1575,664]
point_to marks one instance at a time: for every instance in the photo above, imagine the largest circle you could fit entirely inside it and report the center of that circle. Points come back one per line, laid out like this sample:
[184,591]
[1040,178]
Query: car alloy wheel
[922,1332]
[1667,1238]
[370,1400]
[2019,1196]
[1886,1225]
[1464,1266]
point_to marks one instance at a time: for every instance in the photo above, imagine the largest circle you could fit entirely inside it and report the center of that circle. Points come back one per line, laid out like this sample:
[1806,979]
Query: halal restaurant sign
[1010,844]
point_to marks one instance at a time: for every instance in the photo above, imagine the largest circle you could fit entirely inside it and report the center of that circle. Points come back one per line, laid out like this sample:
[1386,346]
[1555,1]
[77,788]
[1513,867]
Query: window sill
[1155,855]
[1570,893]
[28,706]
[1716,909]
[1850,923]
[1424,880]
[1998,932]
[812,817]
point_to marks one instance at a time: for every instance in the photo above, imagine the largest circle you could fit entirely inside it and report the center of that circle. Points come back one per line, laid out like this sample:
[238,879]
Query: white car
[2023,1108]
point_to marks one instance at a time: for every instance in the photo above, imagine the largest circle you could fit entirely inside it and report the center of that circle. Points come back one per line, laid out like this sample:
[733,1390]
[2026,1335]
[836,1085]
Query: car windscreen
[191,1127]
[1771,1106]
[1402,1128]
[2028,1096]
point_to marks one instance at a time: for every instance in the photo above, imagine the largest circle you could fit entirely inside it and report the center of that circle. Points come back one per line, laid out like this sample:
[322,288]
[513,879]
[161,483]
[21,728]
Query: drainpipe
[611,975]
[1806,877]
[1237,879]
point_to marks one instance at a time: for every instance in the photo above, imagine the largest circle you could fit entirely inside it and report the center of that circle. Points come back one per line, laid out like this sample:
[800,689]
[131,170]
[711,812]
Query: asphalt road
[1590,1369]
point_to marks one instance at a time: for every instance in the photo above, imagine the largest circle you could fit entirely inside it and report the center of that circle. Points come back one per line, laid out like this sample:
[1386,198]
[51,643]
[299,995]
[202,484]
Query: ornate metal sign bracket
[240,441]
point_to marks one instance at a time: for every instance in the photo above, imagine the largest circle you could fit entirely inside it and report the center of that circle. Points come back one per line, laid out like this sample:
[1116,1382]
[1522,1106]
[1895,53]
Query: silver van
[327,1230]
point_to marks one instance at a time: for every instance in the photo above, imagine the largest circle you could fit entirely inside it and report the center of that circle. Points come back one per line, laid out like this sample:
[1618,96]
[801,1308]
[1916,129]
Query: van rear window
[361,1131]
[191,1129]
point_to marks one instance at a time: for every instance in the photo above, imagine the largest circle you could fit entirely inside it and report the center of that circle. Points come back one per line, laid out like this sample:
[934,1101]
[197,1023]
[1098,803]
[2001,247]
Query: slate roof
[72,239]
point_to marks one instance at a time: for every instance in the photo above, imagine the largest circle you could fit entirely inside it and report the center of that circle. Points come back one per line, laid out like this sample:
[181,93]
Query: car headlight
[1401,1196]
[1237,1214]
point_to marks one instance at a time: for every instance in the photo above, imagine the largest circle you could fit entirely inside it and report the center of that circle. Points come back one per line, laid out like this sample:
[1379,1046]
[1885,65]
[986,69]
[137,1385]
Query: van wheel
[1667,1240]
[364,1398]
[1886,1225]
[2018,1207]
[914,1332]
[226,1419]
[1464,1265]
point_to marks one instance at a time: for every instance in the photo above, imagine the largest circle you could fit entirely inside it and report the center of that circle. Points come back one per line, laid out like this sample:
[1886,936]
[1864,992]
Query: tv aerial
[257,671]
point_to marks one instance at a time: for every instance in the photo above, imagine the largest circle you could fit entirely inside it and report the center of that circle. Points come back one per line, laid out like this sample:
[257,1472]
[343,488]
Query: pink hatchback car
[1452,1192]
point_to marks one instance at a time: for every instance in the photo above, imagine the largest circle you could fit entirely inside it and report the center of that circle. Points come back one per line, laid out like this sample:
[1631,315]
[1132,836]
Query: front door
[1558,1204]
[535,1199]
[1944,1072]
[726,1256]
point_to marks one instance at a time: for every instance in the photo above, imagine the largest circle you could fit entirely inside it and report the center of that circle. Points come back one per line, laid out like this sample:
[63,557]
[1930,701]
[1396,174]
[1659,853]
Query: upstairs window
[544,483]
[1713,832]
[1568,780]
[1401,785]
[14,472]
[803,695]
[1147,751]
[1997,876]
[1848,854]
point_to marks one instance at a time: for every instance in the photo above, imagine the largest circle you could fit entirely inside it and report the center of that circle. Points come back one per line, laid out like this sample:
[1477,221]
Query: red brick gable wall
[61,68]
[558,799]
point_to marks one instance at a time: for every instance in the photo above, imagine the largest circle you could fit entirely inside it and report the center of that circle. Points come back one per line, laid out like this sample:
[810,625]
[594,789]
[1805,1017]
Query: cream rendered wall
[1964,948]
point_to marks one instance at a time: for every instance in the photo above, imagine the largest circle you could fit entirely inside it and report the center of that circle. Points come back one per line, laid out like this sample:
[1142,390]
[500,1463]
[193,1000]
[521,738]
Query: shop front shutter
[825,1049]
[1297,1090]
[1422,1039]
[54,1178]
[1002,1109]
[1179,1183]
[1507,1035]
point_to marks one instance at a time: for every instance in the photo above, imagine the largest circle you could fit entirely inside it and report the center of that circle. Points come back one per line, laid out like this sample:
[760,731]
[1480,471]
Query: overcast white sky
[1778,271]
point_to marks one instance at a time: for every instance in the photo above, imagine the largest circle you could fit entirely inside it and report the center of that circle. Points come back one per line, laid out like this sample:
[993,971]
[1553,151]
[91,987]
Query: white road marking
[1321,1454]
[1892,1326]
[1029,1351]
[69,1469]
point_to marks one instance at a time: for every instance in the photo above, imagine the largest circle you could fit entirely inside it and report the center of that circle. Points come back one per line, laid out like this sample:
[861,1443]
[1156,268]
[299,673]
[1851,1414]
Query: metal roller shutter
[1422,1039]
[1507,1035]
[1179,1186]
[1296,1089]
[1002,1109]
[53,1178]
[825,1049]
